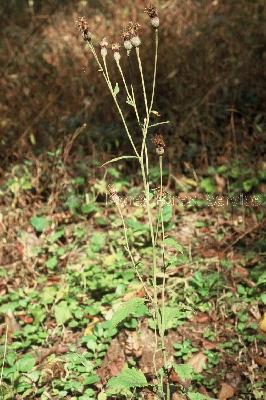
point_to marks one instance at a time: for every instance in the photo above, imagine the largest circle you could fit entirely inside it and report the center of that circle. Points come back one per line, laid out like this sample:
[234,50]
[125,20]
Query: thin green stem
[155,69]
[107,79]
[162,331]
[130,253]
[123,79]
[142,80]
[4,356]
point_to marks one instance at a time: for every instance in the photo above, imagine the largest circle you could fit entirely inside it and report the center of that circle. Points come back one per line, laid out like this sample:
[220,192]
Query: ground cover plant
[131,285]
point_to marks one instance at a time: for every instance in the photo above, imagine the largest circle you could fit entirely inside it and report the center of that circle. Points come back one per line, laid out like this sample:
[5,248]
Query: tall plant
[156,297]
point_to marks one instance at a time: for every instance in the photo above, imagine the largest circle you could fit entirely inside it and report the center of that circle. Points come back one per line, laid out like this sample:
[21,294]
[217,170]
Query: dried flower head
[151,11]
[115,47]
[158,141]
[136,42]
[153,14]
[128,45]
[130,30]
[104,43]
[83,27]
[113,194]
[116,50]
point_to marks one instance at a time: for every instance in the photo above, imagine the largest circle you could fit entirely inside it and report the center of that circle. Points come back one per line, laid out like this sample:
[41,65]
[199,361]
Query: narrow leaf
[117,159]
[159,123]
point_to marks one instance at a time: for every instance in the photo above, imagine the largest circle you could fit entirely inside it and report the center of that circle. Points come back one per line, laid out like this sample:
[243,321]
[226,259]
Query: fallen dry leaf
[198,362]
[261,361]
[262,323]
[91,325]
[26,319]
[226,392]
[201,318]
[11,323]
[177,396]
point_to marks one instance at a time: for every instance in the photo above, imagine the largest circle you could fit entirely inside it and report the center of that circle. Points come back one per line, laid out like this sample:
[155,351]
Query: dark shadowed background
[211,76]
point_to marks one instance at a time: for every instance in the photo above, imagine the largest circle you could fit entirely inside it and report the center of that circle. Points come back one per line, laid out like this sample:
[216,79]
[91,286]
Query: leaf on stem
[130,102]
[155,113]
[116,89]
[117,159]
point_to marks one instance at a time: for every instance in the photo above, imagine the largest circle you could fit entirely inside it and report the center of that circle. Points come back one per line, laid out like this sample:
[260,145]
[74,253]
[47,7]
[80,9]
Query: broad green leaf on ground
[48,294]
[52,262]
[26,363]
[197,396]
[172,243]
[128,378]
[97,242]
[39,223]
[208,185]
[262,279]
[62,312]
[133,307]
[172,316]
[184,371]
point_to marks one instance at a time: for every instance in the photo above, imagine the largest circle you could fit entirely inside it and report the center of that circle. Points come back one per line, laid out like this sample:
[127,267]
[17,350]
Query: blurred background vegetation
[211,77]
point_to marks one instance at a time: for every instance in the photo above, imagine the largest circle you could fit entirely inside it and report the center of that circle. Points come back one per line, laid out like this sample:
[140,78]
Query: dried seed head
[117,56]
[153,14]
[135,40]
[83,27]
[116,50]
[130,31]
[158,141]
[103,52]
[104,43]
[113,194]
[155,22]
[151,11]
[115,47]
[128,45]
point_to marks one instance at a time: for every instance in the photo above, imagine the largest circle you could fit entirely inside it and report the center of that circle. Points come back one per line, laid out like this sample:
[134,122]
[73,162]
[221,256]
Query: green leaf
[118,159]
[133,307]
[26,363]
[171,242]
[263,298]
[56,235]
[172,316]
[97,242]
[262,279]
[51,263]
[62,313]
[116,89]
[130,102]
[197,396]
[208,185]
[89,208]
[128,378]
[184,371]
[167,213]
[48,294]
[39,223]
[102,396]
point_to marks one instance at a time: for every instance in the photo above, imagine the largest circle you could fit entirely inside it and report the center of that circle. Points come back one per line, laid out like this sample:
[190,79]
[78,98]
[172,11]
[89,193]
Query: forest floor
[63,273]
